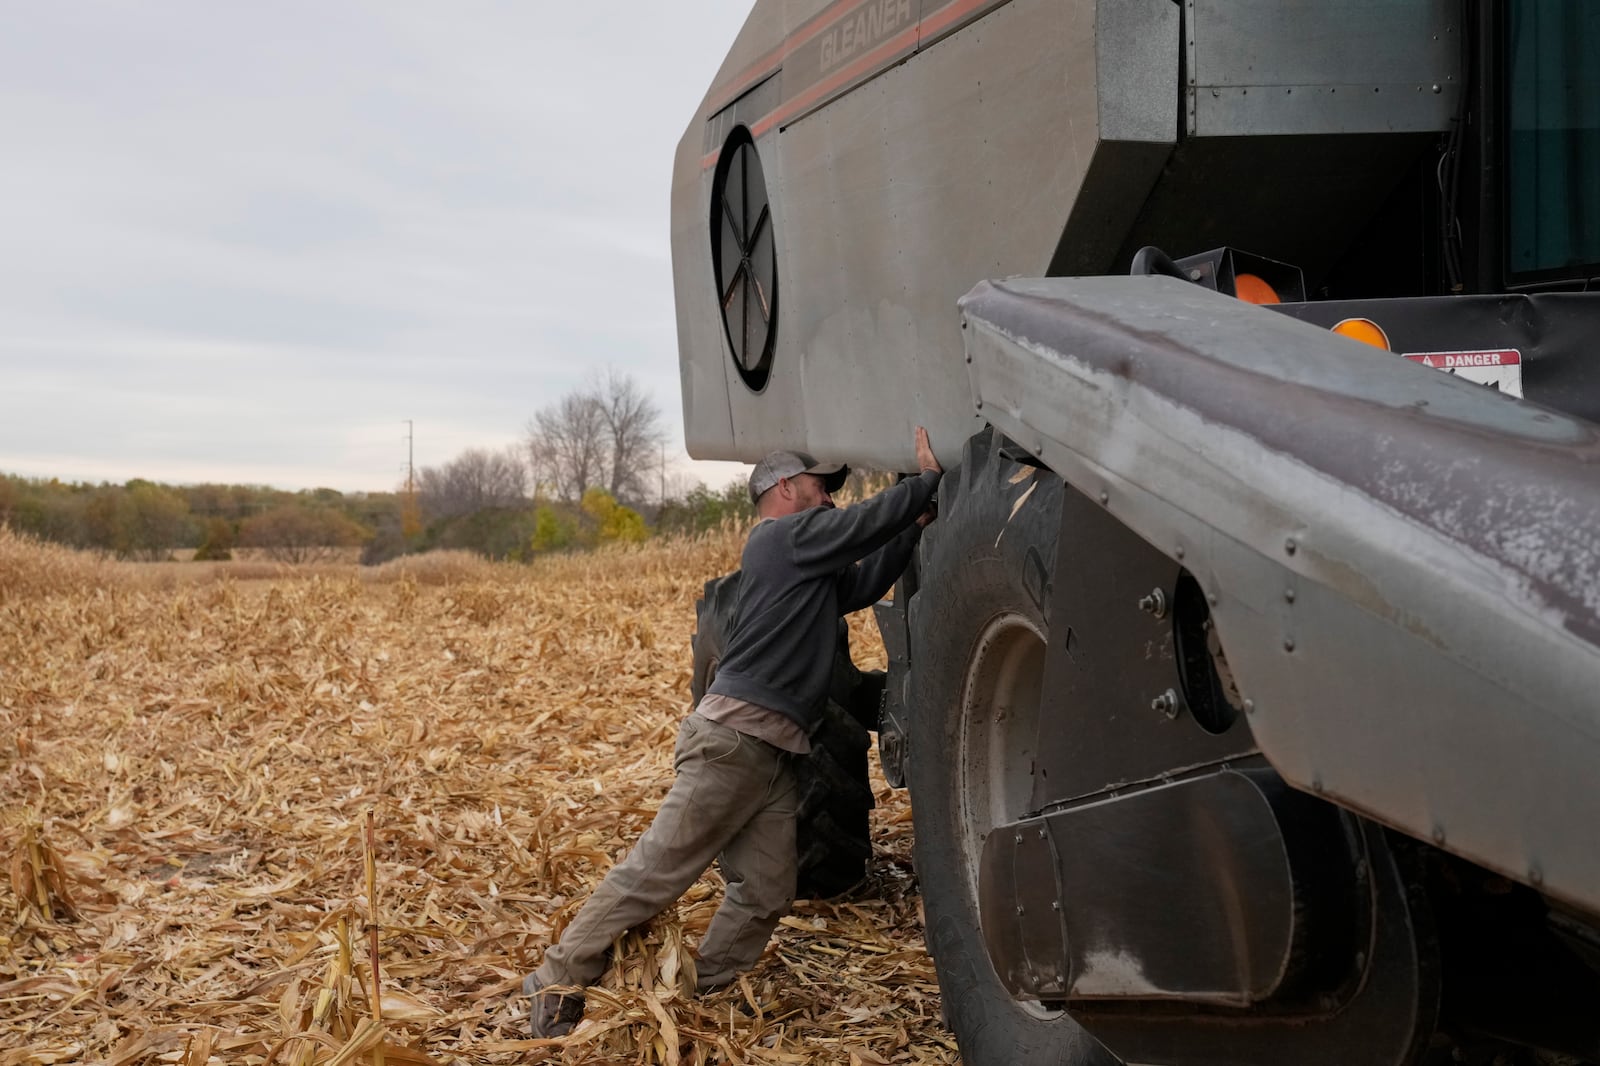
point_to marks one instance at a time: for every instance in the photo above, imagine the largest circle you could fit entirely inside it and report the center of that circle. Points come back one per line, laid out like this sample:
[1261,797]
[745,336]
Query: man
[805,565]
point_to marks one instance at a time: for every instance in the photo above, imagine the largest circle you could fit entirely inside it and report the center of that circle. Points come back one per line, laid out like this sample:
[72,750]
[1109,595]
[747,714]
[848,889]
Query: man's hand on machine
[926,461]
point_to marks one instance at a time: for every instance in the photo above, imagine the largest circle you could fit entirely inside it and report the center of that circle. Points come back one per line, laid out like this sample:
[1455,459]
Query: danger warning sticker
[1499,368]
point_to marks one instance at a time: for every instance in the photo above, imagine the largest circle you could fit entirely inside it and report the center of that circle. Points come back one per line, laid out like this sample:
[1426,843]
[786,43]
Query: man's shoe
[715,982]
[552,1013]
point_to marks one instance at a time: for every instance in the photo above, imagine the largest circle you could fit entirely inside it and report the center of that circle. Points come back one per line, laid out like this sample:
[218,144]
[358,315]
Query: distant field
[189,755]
[247,558]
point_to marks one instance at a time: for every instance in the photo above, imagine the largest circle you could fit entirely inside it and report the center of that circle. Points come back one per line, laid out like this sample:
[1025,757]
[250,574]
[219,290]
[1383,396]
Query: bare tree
[473,481]
[567,446]
[633,424]
[604,434]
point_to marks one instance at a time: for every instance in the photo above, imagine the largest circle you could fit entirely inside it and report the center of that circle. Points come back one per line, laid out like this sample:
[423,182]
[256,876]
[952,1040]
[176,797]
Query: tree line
[582,475]
[590,469]
[149,521]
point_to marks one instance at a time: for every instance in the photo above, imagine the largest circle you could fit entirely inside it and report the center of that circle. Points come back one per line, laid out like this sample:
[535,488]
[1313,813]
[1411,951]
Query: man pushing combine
[805,565]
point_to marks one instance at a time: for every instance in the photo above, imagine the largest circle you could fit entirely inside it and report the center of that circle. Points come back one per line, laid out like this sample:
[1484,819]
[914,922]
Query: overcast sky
[243,242]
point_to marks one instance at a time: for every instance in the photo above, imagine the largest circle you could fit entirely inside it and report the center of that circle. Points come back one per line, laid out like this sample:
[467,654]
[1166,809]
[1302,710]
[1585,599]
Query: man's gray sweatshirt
[802,572]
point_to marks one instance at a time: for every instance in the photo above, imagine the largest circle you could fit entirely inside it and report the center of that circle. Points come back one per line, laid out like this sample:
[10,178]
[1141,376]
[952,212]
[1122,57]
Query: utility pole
[410,451]
[410,517]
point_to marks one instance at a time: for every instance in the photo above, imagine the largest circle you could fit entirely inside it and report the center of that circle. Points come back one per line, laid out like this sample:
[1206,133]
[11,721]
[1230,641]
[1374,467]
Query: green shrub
[553,530]
[614,523]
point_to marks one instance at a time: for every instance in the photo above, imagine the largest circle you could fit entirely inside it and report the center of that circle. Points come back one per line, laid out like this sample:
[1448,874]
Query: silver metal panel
[889,204]
[961,163]
[1406,565]
[1137,929]
[885,222]
[741,92]
[1137,49]
[759,46]
[1136,62]
[1313,66]
[702,344]
[860,39]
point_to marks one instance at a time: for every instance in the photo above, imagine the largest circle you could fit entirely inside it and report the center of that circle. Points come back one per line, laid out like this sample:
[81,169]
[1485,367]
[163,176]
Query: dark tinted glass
[1553,147]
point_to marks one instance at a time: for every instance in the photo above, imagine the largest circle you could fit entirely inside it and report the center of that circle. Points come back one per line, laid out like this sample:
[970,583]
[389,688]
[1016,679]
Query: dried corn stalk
[38,880]
[204,743]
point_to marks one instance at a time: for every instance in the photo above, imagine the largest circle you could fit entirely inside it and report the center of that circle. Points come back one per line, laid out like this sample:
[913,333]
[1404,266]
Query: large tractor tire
[978,636]
[832,834]
[993,573]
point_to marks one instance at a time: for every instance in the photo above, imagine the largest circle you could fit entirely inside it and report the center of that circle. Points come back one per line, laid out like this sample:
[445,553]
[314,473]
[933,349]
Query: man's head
[786,482]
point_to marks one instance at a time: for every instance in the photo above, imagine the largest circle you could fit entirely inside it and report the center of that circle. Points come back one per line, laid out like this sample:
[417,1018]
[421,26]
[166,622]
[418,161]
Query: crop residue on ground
[188,761]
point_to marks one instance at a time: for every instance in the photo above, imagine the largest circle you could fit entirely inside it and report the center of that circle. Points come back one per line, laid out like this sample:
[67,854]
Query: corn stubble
[189,760]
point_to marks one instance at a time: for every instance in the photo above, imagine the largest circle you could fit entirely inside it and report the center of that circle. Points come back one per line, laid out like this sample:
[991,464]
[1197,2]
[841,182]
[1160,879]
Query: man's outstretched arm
[866,583]
[827,540]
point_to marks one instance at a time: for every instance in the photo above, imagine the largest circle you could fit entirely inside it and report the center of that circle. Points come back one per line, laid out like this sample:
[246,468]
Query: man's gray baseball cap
[787,464]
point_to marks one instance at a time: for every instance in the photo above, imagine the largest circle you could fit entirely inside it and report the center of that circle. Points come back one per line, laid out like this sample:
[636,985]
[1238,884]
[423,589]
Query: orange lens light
[1364,330]
[1252,290]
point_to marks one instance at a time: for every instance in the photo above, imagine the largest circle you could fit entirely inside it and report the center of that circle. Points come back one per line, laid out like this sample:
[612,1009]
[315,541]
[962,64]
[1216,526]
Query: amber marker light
[1252,290]
[1364,330]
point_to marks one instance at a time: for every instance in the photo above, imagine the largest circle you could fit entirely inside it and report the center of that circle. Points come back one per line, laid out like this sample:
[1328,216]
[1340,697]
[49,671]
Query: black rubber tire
[832,832]
[980,562]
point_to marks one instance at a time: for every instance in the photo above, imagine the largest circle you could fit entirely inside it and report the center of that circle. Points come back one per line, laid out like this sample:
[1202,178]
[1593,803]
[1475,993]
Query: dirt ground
[222,795]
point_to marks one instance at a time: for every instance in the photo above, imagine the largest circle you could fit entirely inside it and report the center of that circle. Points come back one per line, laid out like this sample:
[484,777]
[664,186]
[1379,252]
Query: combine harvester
[1248,687]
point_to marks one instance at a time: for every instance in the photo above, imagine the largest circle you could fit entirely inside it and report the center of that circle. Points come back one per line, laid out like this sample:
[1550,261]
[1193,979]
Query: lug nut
[1166,703]
[1155,603]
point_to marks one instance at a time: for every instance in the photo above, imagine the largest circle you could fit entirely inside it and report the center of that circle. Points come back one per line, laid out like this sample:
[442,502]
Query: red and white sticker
[1498,368]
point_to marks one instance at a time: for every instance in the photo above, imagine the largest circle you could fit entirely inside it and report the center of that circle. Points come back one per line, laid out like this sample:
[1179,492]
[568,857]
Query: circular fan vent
[744,257]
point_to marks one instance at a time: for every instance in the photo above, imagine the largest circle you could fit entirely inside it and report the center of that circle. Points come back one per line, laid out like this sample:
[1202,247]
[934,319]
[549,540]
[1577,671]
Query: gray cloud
[243,242]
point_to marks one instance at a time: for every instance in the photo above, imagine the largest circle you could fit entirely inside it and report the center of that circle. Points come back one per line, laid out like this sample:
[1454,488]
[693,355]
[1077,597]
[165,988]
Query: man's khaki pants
[734,798]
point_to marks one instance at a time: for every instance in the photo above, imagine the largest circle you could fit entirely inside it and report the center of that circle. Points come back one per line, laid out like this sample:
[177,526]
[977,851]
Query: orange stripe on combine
[943,19]
[841,77]
[759,70]
[952,13]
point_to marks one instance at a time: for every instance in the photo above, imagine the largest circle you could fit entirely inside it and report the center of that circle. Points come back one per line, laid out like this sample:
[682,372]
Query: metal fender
[1404,567]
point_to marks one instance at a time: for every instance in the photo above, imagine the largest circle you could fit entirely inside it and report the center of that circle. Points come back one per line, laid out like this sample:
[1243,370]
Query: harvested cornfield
[223,798]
